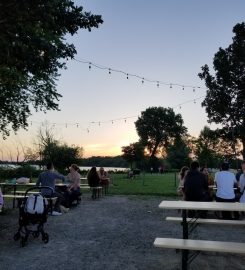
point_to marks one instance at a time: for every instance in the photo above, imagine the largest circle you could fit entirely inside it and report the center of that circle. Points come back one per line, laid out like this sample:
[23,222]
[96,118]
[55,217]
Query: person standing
[225,182]
[47,178]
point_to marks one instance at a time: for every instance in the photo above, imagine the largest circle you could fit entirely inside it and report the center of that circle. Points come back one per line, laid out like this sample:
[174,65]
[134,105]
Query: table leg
[14,196]
[185,253]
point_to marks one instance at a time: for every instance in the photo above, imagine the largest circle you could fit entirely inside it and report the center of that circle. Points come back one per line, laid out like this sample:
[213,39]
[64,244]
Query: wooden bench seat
[200,245]
[208,221]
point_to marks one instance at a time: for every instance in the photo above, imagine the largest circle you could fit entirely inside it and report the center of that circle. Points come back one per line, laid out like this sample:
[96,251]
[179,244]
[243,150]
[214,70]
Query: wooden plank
[200,245]
[208,221]
[213,206]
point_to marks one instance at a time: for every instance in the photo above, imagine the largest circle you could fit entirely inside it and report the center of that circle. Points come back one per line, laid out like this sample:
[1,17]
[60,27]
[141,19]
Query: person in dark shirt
[196,187]
[196,184]
[93,180]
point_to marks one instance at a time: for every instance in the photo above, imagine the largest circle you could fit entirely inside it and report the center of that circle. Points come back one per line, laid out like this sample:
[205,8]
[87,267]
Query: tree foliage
[157,127]
[225,97]
[32,50]
[133,153]
[178,153]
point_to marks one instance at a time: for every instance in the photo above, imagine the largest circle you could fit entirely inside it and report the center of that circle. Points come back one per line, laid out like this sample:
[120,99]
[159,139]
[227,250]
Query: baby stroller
[33,213]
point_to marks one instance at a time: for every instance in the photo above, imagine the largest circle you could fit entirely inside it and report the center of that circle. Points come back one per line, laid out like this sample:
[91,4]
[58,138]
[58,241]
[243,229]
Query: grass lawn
[155,184]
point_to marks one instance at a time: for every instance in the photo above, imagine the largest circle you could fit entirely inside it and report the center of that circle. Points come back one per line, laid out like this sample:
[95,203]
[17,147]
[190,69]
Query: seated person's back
[195,185]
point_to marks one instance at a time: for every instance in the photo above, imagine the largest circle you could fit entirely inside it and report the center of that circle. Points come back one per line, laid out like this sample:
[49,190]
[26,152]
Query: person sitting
[210,180]
[104,180]
[195,187]
[242,183]
[184,170]
[73,189]
[93,180]
[225,182]
[47,178]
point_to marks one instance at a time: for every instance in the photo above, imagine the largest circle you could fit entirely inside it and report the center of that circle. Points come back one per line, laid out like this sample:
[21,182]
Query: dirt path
[112,233]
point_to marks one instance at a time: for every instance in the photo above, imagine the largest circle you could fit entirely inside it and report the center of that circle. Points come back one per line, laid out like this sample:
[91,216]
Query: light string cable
[112,121]
[142,78]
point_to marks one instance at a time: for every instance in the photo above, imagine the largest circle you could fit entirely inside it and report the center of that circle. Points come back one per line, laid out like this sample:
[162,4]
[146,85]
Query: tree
[157,127]
[52,150]
[178,153]
[62,155]
[133,153]
[32,50]
[224,102]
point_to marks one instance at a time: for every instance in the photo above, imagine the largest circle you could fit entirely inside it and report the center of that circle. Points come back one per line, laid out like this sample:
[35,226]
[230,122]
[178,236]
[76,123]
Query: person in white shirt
[225,182]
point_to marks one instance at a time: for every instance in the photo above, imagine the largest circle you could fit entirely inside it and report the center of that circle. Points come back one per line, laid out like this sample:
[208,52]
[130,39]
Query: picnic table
[184,244]
[18,194]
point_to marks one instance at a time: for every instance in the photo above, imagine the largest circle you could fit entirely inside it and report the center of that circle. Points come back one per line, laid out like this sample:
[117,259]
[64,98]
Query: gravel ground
[114,232]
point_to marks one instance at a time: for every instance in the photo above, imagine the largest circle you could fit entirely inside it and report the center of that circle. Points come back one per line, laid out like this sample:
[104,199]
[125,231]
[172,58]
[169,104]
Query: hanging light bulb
[125,120]
[127,76]
[194,101]
[143,80]
[89,66]
[171,85]
[194,89]
[77,125]
[183,88]
[180,107]
[112,122]
[157,84]
[109,71]
[87,130]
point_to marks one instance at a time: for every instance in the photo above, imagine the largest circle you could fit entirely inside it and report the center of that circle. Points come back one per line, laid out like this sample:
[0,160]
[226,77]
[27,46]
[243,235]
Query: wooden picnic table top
[213,206]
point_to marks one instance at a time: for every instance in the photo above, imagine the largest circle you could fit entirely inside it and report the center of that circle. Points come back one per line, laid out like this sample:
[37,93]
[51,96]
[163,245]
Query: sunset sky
[166,41]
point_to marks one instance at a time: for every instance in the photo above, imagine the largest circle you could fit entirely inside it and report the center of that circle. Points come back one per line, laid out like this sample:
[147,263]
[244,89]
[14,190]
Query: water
[82,168]
[114,169]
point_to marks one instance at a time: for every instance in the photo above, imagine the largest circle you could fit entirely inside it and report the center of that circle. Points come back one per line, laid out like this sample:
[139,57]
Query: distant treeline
[117,161]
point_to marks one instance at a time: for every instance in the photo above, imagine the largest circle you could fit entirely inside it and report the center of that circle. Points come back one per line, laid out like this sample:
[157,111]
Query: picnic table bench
[186,244]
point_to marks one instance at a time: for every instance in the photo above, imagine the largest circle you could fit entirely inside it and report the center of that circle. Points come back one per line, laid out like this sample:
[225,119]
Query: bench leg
[185,253]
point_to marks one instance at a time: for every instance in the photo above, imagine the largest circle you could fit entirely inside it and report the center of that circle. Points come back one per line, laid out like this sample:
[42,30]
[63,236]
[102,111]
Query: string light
[143,79]
[116,119]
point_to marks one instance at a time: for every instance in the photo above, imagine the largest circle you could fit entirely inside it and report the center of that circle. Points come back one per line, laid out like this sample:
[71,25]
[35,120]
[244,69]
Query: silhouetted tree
[32,50]
[225,97]
[157,127]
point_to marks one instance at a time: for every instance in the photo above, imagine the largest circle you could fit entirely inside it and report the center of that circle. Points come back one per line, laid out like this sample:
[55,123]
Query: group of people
[96,179]
[66,194]
[197,184]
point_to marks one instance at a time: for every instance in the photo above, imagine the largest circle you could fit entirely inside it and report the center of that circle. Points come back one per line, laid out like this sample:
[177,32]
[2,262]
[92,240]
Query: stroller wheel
[35,234]
[17,236]
[23,241]
[45,238]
